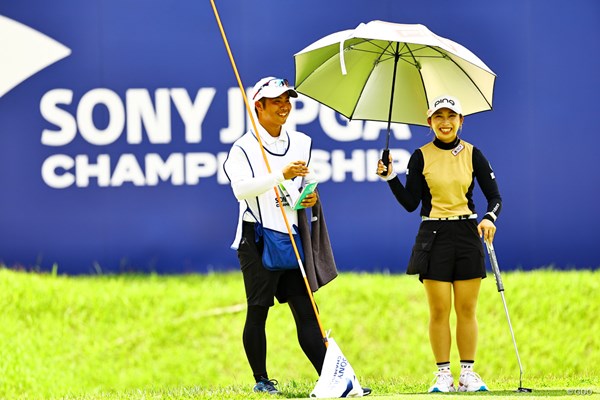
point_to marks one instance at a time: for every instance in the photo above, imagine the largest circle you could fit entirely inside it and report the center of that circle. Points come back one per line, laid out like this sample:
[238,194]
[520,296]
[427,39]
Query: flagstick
[264,154]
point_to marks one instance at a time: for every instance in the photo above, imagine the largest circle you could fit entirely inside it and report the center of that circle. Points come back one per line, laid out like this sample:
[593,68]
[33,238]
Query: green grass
[179,337]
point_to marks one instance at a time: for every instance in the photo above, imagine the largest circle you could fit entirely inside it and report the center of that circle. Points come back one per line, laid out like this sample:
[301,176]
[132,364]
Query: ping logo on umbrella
[25,54]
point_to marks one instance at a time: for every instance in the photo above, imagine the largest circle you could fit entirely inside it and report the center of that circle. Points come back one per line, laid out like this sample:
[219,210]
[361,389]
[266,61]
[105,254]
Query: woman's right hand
[381,171]
[294,169]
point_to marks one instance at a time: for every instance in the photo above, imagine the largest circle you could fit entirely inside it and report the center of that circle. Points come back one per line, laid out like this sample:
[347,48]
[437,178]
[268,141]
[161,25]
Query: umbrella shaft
[396,56]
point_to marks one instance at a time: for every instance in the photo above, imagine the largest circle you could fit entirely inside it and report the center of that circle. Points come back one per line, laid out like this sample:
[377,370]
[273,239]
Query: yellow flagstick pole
[264,154]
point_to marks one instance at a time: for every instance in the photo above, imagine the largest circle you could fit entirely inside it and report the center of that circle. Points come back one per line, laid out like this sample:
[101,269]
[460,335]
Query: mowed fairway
[171,337]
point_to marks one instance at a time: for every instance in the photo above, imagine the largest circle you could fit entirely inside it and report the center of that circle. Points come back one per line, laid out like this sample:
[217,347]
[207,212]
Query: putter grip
[499,283]
[385,158]
[495,268]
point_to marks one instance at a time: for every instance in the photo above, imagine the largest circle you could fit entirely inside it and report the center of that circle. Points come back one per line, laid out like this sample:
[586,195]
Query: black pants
[262,286]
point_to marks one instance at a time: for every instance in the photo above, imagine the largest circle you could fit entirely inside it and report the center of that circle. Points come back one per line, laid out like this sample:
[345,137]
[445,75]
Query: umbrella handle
[385,158]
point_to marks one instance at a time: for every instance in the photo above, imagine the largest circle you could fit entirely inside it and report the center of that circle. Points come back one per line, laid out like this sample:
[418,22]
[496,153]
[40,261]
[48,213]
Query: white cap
[444,102]
[271,87]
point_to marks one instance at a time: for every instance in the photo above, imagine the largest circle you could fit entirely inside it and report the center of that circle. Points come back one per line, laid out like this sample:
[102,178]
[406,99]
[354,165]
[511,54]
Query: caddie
[288,153]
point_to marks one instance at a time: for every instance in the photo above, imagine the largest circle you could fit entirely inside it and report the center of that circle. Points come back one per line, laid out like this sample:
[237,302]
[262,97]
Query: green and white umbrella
[383,71]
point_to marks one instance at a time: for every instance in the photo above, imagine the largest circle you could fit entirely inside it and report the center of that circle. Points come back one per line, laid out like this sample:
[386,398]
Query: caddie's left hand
[486,230]
[310,200]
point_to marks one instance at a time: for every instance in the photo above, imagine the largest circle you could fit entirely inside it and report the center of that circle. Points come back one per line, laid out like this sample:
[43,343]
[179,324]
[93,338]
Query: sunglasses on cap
[272,83]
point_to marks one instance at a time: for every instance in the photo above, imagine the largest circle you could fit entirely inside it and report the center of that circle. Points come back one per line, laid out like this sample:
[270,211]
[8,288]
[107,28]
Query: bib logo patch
[458,149]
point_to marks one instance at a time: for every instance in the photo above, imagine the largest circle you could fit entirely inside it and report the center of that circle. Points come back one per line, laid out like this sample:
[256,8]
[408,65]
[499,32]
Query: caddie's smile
[275,113]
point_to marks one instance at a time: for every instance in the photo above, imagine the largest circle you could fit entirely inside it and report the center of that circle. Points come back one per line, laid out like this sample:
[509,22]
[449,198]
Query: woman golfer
[448,253]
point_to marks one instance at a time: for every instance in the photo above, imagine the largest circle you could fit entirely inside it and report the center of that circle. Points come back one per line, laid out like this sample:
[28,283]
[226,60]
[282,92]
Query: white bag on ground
[337,376]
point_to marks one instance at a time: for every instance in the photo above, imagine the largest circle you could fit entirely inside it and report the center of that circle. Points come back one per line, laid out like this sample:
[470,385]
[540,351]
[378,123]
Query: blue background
[541,137]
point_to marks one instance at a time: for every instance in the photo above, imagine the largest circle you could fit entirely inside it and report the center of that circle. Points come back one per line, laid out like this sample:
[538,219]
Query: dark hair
[262,101]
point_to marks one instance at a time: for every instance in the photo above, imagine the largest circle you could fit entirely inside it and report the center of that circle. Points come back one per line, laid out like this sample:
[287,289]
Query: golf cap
[444,102]
[272,87]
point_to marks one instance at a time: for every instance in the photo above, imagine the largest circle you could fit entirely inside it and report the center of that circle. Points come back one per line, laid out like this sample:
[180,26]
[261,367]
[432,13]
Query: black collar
[446,146]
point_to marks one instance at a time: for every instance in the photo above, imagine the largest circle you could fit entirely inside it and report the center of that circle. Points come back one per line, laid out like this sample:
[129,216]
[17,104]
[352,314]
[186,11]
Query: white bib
[266,207]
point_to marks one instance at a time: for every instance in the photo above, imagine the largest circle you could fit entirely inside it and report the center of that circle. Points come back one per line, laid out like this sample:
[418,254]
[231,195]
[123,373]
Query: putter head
[524,390]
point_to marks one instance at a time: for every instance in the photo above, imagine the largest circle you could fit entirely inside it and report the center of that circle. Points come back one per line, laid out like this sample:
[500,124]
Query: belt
[455,218]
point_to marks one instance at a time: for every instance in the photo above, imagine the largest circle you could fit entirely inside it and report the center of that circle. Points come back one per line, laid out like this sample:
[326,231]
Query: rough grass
[172,337]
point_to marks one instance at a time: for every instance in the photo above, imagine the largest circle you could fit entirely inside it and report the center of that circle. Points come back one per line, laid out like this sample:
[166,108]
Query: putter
[500,286]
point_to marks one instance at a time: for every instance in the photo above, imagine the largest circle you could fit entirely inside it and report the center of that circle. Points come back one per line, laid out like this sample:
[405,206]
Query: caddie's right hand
[382,172]
[294,169]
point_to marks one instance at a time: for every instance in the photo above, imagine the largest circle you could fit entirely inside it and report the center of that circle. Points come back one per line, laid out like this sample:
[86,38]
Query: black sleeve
[410,196]
[487,182]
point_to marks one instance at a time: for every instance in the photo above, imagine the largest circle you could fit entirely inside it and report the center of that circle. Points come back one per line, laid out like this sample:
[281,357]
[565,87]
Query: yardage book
[294,196]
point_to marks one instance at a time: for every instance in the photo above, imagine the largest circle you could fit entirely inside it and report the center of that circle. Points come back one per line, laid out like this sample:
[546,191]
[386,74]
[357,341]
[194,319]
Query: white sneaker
[469,381]
[444,382]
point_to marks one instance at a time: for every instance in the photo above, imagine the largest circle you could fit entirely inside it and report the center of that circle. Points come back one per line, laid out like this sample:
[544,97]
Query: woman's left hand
[486,229]
[310,200]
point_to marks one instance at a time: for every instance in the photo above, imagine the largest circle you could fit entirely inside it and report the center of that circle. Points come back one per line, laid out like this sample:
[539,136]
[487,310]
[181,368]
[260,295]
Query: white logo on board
[25,54]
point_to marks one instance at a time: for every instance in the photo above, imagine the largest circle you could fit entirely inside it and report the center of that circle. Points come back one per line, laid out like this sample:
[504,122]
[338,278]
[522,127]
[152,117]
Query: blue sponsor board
[116,116]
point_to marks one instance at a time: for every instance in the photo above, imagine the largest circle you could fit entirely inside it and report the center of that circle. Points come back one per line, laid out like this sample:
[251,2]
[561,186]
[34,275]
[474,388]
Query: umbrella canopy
[384,71]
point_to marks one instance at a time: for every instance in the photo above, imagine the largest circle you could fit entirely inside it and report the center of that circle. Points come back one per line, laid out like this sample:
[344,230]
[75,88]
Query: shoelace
[445,376]
[270,382]
[471,374]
